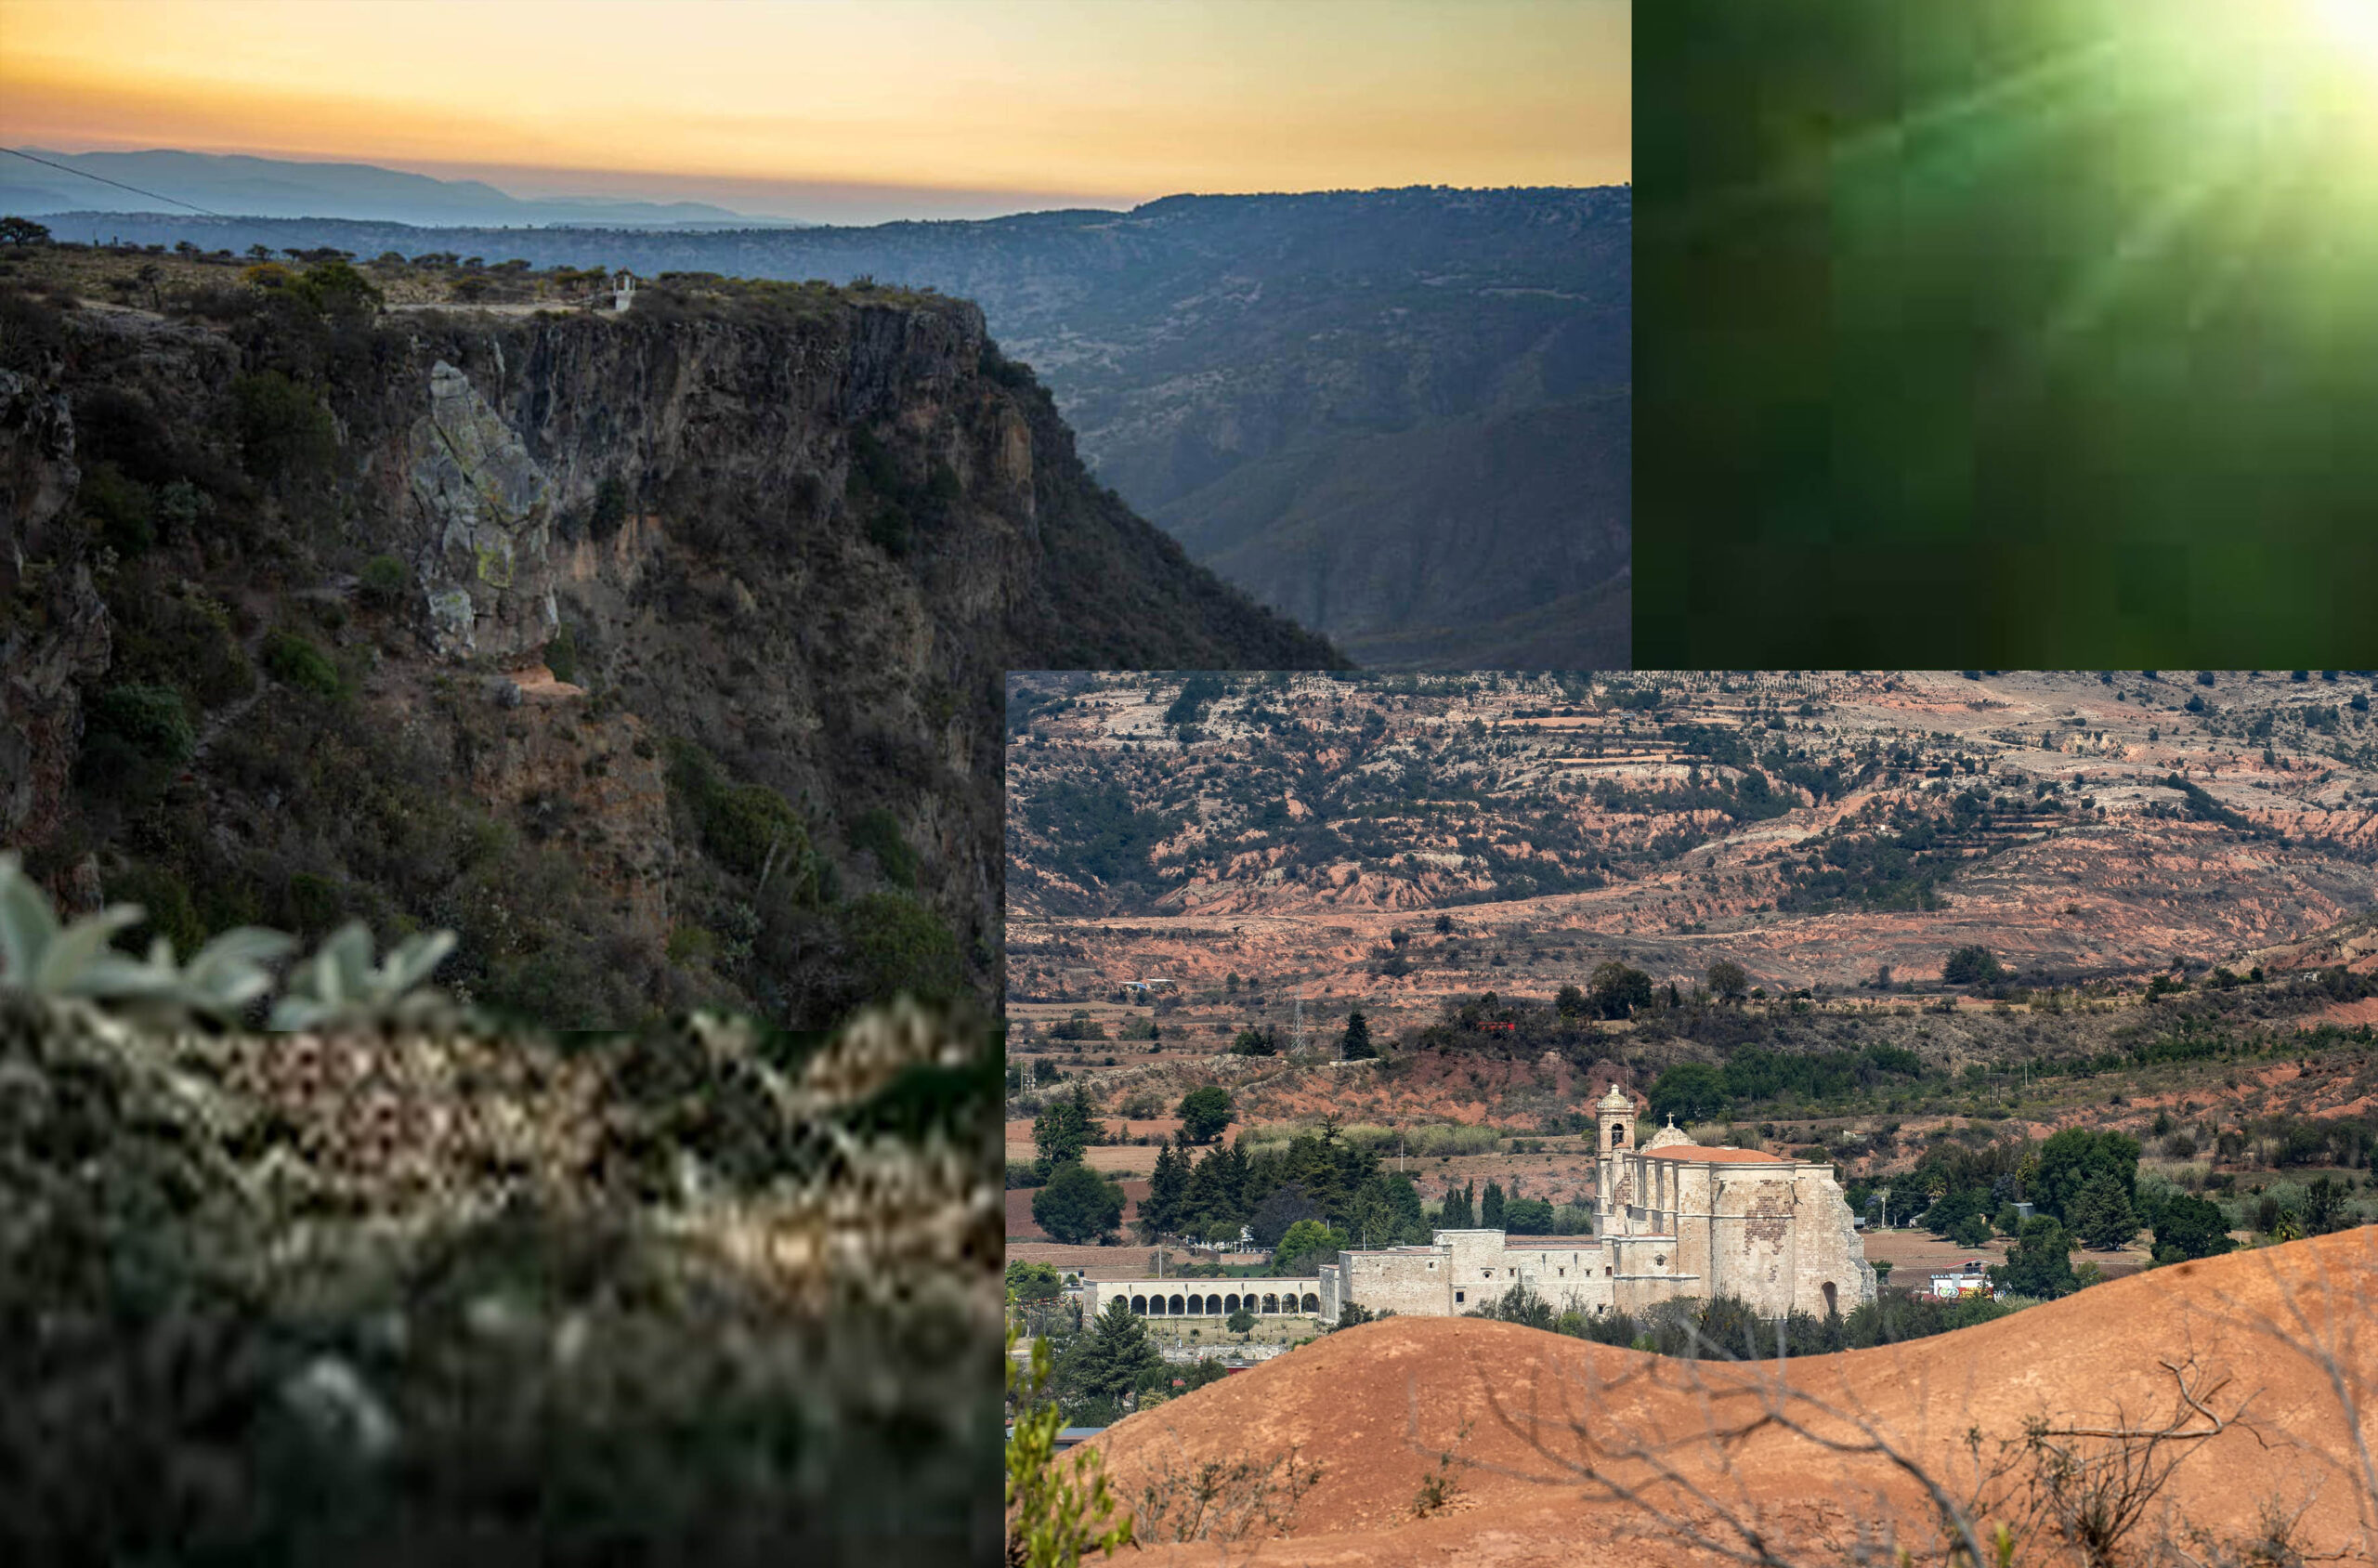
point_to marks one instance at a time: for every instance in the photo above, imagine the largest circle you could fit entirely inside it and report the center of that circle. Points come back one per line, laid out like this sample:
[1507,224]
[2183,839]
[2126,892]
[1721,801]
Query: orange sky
[745,101]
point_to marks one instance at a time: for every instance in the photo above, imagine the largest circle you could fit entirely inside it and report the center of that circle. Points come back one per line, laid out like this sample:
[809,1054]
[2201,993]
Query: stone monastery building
[1672,1219]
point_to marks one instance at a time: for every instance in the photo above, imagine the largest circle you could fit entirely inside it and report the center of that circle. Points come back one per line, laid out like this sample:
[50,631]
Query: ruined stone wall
[1830,1250]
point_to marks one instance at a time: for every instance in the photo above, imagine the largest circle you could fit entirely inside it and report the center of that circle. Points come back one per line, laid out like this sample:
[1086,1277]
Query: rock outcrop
[54,636]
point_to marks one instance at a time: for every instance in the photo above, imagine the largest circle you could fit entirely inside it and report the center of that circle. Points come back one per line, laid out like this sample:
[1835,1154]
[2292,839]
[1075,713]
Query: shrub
[334,288]
[315,902]
[163,897]
[887,528]
[877,832]
[284,430]
[123,509]
[382,581]
[749,829]
[1970,966]
[610,508]
[561,656]
[896,946]
[292,661]
[150,720]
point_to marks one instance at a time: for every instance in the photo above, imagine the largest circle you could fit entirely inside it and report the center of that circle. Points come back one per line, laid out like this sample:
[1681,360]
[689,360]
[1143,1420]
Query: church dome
[1616,1100]
[1667,1137]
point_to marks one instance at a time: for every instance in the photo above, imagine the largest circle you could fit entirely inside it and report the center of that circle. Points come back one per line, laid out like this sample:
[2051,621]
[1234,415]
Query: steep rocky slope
[659,655]
[1402,416]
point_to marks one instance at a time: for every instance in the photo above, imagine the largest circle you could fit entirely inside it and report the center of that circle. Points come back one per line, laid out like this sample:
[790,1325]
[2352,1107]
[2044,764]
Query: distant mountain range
[243,187]
[1402,417]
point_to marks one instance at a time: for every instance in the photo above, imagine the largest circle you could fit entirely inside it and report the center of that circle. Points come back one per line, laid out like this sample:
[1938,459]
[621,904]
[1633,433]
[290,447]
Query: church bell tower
[1614,1137]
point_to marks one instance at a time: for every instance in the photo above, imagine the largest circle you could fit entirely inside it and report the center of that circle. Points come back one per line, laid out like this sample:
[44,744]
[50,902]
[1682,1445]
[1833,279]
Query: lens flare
[2349,25]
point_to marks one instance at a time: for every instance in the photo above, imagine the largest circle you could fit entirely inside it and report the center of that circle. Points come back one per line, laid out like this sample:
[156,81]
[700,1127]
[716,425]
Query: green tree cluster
[2040,1263]
[1205,1112]
[1077,1205]
[1970,966]
[1460,1210]
[2190,1227]
[1341,1185]
[1064,1127]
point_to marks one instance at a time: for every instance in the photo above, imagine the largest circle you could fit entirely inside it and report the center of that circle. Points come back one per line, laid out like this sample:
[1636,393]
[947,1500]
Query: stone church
[1671,1219]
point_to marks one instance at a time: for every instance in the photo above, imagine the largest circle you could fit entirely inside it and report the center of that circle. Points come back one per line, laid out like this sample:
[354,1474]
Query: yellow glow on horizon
[1129,100]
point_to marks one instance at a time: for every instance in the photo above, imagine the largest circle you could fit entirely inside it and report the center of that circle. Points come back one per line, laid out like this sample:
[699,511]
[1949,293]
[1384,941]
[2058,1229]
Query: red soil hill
[1376,1404]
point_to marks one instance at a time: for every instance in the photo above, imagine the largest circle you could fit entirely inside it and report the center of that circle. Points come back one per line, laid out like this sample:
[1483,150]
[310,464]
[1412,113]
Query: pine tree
[1063,1128]
[1115,1355]
[2100,1213]
[1160,1211]
[1206,1204]
[1357,1045]
[1324,1178]
[1234,1184]
[1490,1209]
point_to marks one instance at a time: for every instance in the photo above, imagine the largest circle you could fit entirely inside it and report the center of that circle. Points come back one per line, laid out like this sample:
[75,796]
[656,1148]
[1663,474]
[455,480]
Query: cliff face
[1404,417]
[777,553]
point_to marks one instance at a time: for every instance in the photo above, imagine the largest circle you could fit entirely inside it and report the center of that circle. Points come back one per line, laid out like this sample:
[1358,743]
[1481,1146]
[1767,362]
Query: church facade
[1673,1219]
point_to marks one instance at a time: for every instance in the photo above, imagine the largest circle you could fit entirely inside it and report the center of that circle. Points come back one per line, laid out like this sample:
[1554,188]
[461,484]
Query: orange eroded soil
[1376,1404]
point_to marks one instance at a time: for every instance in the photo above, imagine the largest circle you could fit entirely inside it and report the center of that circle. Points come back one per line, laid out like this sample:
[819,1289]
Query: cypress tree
[1456,1215]
[1358,1045]
[1490,1209]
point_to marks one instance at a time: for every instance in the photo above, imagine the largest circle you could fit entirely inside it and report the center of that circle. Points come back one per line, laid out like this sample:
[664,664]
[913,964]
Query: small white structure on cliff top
[622,290]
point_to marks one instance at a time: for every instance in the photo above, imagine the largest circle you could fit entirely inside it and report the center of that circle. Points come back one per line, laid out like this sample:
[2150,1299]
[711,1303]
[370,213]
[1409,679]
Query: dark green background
[1939,363]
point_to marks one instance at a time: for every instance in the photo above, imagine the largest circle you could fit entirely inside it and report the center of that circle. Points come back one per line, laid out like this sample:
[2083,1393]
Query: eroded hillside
[1814,828]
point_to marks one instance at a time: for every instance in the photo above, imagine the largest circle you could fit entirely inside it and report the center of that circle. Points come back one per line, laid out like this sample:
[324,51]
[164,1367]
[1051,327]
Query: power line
[103,179]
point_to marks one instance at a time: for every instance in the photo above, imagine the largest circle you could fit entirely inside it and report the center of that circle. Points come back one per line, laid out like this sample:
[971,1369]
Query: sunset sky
[847,109]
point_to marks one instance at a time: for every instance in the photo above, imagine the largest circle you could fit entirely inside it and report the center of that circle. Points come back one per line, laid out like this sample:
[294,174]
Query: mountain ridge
[283,188]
